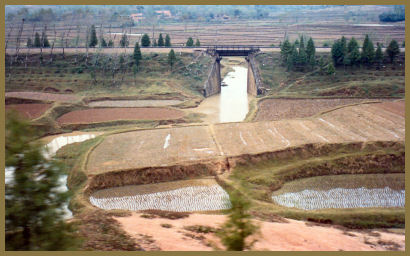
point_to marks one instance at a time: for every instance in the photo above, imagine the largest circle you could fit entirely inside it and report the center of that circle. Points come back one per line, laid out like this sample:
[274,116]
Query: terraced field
[365,122]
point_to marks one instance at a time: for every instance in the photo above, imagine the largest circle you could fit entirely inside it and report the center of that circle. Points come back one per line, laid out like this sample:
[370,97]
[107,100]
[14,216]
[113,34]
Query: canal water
[233,100]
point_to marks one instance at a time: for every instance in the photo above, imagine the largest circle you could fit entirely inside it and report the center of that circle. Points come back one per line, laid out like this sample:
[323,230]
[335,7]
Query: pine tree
[197,43]
[124,41]
[310,52]
[171,58]
[353,52]
[137,54]
[34,215]
[110,44]
[339,50]
[285,51]
[367,55]
[145,41]
[378,57]
[93,37]
[190,42]
[293,58]
[29,43]
[44,40]
[167,41]
[331,69]
[239,225]
[160,40]
[154,42]
[37,40]
[103,43]
[393,50]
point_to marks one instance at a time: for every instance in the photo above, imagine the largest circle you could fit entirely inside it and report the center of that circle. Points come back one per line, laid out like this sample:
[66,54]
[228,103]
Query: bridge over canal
[213,84]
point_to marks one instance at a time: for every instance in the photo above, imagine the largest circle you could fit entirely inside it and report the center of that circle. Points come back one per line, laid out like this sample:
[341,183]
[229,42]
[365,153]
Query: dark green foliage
[145,41]
[367,51]
[378,58]
[171,58]
[103,43]
[37,40]
[339,51]
[353,52]
[160,40]
[403,44]
[190,42]
[167,41]
[238,226]
[29,43]
[154,42]
[44,40]
[34,215]
[197,43]
[110,44]
[93,37]
[124,41]
[137,54]
[398,14]
[310,52]
[393,50]
[285,51]
[331,69]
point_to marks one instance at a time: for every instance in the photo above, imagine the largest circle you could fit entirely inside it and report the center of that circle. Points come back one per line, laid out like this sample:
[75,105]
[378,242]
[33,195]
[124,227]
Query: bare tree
[52,46]
[86,44]
[18,42]
[76,44]
[9,35]
[42,43]
[28,50]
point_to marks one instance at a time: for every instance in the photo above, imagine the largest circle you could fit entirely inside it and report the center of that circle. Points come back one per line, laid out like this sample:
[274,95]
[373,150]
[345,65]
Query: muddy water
[233,102]
[231,105]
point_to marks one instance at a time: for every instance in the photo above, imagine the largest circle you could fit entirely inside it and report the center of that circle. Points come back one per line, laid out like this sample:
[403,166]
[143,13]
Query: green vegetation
[93,37]
[197,43]
[239,224]
[190,42]
[34,215]
[298,56]
[167,41]
[393,50]
[398,14]
[145,41]
[160,40]
[124,41]
[264,177]
[171,58]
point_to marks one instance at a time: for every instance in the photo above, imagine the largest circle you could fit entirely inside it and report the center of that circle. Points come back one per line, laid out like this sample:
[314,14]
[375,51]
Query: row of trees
[349,53]
[298,55]
[190,42]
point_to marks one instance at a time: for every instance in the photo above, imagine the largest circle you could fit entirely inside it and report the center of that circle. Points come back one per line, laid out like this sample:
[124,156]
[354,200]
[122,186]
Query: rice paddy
[342,198]
[196,195]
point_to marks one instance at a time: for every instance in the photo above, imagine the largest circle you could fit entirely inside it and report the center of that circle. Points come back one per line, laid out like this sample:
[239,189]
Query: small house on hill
[137,17]
[164,14]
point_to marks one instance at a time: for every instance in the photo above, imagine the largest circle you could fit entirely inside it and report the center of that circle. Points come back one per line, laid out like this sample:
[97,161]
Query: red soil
[30,111]
[113,114]
[397,107]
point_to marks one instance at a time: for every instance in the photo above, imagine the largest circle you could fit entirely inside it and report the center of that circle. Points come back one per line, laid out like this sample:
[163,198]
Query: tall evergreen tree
[103,43]
[145,41]
[124,41]
[171,58]
[367,55]
[378,57]
[160,40]
[137,54]
[190,42]
[353,52]
[110,44]
[339,50]
[34,215]
[167,41]
[197,43]
[393,50]
[285,51]
[29,43]
[37,40]
[93,37]
[310,52]
[293,58]
[44,40]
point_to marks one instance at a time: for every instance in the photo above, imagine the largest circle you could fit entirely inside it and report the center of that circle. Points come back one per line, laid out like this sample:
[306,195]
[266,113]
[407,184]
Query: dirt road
[134,150]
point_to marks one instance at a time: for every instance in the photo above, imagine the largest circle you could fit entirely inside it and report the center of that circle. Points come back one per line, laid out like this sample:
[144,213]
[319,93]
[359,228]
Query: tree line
[300,56]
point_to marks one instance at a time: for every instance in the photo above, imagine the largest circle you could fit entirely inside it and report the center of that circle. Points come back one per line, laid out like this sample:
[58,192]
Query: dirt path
[291,236]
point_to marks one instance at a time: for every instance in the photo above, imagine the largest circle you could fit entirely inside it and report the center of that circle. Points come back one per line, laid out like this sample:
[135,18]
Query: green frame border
[183,2]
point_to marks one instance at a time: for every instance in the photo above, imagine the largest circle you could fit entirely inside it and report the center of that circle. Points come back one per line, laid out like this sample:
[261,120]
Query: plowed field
[113,114]
[29,111]
[43,96]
